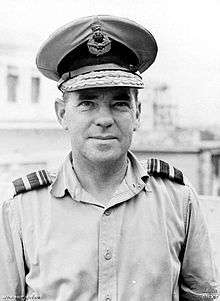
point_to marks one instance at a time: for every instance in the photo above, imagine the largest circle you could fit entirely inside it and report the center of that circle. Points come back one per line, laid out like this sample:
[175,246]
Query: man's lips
[103,137]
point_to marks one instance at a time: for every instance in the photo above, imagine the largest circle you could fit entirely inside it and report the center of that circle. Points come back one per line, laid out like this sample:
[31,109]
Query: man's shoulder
[170,184]
[160,169]
[33,181]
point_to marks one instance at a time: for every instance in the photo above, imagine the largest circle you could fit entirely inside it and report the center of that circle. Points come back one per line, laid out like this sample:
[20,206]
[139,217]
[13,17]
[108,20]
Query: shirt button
[107,212]
[108,298]
[108,254]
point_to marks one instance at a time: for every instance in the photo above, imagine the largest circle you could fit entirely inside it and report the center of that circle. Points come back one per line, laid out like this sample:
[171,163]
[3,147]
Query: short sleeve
[199,277]
[12,272]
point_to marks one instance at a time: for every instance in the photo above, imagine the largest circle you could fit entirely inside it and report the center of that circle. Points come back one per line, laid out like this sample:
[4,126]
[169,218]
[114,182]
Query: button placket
[108,254]
[107,273]
[108,298]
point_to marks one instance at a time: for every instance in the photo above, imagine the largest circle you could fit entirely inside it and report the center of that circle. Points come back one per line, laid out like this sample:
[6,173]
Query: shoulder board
[159,168]
[31,181]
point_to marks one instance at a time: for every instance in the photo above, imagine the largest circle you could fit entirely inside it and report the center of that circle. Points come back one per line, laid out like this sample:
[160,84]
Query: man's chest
[128,245]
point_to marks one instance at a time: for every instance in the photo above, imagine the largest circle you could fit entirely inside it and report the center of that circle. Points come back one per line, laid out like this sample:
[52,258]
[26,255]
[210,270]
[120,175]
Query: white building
[25,96]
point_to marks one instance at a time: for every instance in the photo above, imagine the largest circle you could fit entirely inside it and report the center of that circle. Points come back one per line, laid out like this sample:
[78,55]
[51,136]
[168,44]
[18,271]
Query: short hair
[135,90]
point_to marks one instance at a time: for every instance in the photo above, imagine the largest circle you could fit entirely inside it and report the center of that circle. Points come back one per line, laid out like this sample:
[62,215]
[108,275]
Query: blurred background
[180,102]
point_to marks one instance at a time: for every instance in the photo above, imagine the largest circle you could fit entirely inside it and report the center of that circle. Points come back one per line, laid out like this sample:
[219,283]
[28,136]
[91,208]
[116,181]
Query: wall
[23,151]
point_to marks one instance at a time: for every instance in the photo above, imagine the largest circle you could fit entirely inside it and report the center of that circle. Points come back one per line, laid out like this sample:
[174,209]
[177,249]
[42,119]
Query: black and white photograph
[110,150]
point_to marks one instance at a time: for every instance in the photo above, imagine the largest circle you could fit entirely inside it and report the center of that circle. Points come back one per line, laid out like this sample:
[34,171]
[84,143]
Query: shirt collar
[137,175]
[66,179]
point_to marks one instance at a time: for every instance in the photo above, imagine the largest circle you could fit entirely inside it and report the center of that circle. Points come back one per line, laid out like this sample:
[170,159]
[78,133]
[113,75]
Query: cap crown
[76,44]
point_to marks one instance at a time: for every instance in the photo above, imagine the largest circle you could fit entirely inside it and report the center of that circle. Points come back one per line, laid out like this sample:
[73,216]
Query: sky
[187,34]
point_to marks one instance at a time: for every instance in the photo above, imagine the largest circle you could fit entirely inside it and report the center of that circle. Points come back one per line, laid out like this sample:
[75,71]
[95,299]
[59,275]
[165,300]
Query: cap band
[101,78]
[90,68]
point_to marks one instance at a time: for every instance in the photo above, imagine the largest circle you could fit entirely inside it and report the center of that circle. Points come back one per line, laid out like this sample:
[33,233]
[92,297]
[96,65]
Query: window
[35,89]
[12,84]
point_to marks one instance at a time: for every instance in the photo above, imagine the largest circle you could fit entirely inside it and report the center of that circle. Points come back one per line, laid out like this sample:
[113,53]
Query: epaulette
[159,168]
[31,181]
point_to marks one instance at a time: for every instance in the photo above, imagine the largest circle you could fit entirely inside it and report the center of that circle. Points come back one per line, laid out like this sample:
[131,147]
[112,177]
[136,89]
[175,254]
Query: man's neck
[100,179]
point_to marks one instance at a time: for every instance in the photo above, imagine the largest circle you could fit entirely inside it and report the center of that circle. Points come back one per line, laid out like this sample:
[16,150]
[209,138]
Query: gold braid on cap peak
[101,78]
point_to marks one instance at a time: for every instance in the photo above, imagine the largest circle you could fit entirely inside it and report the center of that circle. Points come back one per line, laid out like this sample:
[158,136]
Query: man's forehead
[111,91]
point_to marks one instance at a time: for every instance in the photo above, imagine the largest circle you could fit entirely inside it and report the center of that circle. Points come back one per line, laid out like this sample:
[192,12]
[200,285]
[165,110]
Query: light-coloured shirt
[149,243]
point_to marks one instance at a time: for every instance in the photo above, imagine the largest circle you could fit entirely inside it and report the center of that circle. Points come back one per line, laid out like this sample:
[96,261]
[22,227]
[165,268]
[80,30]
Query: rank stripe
[157,165]
[178,175]
[162,169]
[19,185]
[27,183]
[42,177]
[46,176]
[32,181]
[172,172]
[39,177]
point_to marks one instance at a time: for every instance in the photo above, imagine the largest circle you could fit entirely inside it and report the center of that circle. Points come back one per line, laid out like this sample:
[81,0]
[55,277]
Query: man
[105,227]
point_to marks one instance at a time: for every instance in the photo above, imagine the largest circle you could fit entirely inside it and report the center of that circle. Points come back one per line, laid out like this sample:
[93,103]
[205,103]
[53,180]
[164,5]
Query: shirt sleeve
[199,278]
[12,272]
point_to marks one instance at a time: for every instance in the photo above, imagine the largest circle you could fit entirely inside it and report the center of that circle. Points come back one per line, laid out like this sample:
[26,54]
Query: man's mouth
[103,137]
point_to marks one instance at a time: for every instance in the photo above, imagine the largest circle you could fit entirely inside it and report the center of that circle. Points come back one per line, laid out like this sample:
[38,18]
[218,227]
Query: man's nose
[104,118]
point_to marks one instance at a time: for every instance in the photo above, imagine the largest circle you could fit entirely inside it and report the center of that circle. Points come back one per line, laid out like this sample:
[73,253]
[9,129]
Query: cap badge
[99,43]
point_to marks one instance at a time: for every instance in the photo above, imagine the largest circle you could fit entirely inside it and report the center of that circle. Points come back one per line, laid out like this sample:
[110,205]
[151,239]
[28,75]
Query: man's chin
[104,155]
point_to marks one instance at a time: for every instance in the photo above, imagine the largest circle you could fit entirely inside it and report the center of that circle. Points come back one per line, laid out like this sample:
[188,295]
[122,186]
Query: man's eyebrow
[87,96]
[122,96]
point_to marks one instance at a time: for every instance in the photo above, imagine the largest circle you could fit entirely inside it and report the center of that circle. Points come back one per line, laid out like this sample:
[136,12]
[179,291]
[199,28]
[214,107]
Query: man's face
[100,121]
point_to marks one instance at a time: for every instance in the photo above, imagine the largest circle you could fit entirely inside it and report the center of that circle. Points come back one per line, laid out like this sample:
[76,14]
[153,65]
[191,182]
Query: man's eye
[122,104]
[86,104]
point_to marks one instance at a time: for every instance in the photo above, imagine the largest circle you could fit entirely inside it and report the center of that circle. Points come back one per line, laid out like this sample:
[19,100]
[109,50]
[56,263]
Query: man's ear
[137,116]
[60,108]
